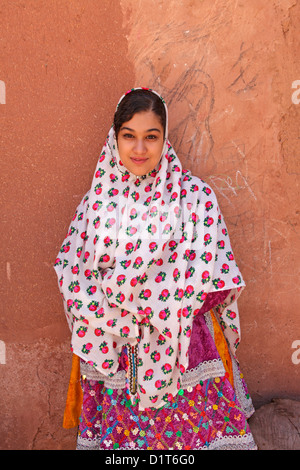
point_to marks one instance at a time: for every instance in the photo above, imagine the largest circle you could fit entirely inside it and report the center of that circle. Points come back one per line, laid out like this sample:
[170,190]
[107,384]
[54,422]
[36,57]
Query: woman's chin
[139,170]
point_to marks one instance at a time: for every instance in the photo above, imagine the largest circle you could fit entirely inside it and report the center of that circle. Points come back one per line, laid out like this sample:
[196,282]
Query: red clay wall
[230,74]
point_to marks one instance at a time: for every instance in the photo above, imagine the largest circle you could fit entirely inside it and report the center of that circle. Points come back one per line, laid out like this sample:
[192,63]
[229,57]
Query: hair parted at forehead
[137,101]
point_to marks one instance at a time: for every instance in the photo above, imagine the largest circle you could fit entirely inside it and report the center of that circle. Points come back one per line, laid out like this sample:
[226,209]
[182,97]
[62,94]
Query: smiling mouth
[139,160]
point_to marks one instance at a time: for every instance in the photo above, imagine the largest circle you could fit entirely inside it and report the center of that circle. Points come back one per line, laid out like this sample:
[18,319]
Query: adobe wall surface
[229,72]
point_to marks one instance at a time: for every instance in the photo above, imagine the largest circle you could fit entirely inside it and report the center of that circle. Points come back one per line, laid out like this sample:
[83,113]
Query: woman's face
[140,142]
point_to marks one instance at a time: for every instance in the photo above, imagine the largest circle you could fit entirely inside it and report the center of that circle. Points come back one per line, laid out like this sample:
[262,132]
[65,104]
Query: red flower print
[107,364]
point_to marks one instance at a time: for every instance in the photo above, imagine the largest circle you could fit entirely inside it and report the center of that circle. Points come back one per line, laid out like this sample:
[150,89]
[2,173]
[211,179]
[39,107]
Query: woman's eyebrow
[132,130]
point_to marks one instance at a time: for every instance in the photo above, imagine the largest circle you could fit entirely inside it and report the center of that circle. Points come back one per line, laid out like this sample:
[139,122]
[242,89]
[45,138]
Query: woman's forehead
[146,121]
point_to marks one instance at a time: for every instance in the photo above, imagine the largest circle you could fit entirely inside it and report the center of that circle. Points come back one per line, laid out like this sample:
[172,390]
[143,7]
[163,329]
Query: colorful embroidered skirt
[206,416]
[210,411]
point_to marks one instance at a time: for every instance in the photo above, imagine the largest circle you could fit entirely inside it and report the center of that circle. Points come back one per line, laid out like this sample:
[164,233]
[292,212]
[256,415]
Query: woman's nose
[140,147]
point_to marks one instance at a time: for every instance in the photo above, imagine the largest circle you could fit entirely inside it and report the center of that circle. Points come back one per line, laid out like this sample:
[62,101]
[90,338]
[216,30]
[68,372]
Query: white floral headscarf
[140,256]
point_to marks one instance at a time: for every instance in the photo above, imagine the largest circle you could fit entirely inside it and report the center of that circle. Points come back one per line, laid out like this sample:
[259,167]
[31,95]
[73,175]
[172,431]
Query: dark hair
[137,101]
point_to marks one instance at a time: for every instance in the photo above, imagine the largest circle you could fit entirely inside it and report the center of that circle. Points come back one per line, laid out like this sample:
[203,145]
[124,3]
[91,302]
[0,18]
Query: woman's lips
[139,161]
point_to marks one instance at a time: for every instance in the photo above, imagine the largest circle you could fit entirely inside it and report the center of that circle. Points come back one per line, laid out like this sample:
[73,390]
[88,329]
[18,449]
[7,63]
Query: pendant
[132,358]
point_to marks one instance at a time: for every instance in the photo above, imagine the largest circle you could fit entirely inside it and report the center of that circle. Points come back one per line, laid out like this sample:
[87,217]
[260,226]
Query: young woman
[150,288]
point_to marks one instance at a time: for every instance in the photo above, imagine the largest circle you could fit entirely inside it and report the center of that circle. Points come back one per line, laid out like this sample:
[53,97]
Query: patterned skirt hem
[245,442]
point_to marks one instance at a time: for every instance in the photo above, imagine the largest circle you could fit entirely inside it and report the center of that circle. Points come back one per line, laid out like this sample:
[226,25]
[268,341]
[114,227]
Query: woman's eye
[151,137]
[128,136]
[131,136]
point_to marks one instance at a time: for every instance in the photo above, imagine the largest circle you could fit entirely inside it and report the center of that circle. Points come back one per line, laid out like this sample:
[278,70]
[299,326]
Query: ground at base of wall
[276,426]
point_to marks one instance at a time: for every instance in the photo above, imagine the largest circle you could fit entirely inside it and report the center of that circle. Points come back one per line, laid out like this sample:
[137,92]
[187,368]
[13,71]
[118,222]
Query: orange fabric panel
[222,347]
[74,396]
